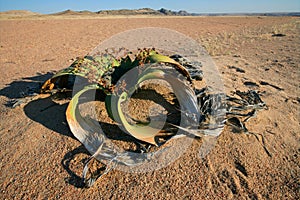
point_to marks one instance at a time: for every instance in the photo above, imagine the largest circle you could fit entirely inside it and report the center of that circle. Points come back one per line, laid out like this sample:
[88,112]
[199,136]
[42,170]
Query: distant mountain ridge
[72,12]
[141,11]
[19,13]
[166,12]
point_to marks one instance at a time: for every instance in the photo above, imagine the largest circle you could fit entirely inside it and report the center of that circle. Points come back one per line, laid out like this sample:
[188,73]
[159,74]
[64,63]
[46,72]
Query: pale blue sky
[195,6]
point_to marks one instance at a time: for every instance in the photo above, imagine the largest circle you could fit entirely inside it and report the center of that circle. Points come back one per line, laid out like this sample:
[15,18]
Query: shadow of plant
[24,87]
[51,114]
[44,111]
[68,161]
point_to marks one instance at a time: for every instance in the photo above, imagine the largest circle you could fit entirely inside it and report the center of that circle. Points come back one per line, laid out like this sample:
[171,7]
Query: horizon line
[200,13]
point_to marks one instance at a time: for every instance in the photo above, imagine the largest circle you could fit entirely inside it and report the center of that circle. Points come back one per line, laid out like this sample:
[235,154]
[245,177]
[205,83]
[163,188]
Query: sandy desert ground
[41,159]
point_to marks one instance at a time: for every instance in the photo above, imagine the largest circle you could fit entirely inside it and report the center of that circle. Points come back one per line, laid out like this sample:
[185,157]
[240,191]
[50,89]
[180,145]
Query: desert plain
[41,159]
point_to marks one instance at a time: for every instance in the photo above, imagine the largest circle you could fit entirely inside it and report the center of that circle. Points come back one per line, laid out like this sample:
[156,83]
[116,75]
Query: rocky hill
[72,12]
[19,13]
[15,14]
[170,12]
[141,11]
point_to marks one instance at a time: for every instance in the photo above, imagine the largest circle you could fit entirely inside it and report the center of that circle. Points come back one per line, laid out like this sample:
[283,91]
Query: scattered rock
[251,84]
[295,101]
[278,35]
[269,84]
[237,69]
[48,60]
